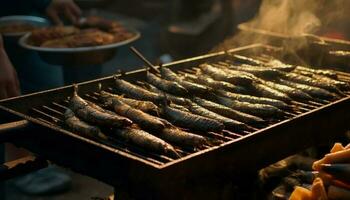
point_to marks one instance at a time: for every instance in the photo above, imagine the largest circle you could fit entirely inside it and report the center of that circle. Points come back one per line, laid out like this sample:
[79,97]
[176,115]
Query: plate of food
[92,41]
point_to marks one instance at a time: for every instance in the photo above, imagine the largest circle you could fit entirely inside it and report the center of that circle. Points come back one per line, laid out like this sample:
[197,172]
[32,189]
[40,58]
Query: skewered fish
[265,91]
[81,127]
[182,138]
[258,71]
[312,91]
[142,119]
[277,64]
[329,73]
[136,92]
[230,124]
[253,99]
[294,93]
[143,139]
[297,78]
[189,86]
[234,72]
[172,98]
[261,110]
[191,121]
[246,60]
[94,114]
[228,112]
[339,84]
[165,85]
[216,85]
[219,74]
[145,106]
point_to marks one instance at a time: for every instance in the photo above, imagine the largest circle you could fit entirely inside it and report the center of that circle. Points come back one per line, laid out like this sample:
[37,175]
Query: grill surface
[124,165]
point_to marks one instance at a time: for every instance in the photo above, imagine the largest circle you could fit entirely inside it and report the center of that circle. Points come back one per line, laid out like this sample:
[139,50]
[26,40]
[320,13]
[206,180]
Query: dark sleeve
[23,7]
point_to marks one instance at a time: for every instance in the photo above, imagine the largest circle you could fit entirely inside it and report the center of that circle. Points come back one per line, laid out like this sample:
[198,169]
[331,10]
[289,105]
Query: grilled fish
[265,91]
[312,91]
[255,100]
[219,74]
[230,124]
[81,127]
[136,92]
[189,86]
[182,138]
[230,113]
[216,85]
[142,119]
[293,93]
[94,114]
[145,106]
[145,140]
[277,64]
[234,72]
[329,73]
[191,121]
[247,60]
[165,85]
[261,110]
[172,98]
[338,84]
[297,78]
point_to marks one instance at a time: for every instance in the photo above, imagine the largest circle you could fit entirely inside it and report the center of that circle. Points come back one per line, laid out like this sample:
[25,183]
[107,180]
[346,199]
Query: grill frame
[140,177]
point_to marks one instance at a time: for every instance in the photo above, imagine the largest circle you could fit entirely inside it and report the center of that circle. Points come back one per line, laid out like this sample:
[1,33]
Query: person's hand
[9,85]
[66,8]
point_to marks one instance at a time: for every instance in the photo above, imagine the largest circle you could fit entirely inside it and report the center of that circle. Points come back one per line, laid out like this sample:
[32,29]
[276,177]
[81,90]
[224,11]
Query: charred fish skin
[216,85]
[310,81]
[165,85]
[171,97]
[293,93]
[312,91]
[329,73]
[145,140]
[261,110]
[229,124]
[255,100]
[182,138]
[145,106]
[81,127]
[189,86]
[96,115]
[246,60]
[191,121]
[142,119]
[219,74]
[265,91]
[229,113]
[136,92]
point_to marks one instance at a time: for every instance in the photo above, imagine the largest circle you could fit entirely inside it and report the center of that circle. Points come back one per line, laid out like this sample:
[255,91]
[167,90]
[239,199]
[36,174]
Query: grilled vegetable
[297,78]
[219,74]
[261,110]
[216,85]
[329,73]
[142,119]
[191,121]
[165,85]
[145,106]
[265,91]
[293,93]
[136,92]
[230,124]
[145,140]
[228,112]
[259,71]
[312,91]
[94,114]
[81,127]
[189,86]
[172,98]
[253,99]
[182,138]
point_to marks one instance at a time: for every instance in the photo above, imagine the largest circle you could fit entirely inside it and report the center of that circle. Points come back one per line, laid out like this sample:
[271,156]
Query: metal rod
[133,49]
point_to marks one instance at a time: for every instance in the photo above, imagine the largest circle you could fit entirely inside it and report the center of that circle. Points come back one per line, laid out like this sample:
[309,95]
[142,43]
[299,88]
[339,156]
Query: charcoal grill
[151,176]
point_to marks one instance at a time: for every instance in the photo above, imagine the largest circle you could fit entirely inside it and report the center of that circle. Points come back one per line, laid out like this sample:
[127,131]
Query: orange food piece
[318,191]
[337,147]
[301,193]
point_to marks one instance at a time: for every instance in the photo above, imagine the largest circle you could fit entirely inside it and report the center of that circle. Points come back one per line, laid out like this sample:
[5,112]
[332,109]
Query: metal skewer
[152,67]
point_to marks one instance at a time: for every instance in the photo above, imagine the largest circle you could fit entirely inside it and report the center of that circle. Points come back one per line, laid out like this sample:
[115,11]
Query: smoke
[289,19]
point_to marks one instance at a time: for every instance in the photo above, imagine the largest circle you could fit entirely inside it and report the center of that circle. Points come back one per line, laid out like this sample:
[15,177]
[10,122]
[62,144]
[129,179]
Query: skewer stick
[138,54]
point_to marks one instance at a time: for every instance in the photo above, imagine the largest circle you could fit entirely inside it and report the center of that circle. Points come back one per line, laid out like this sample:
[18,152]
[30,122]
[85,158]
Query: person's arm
[9,85]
